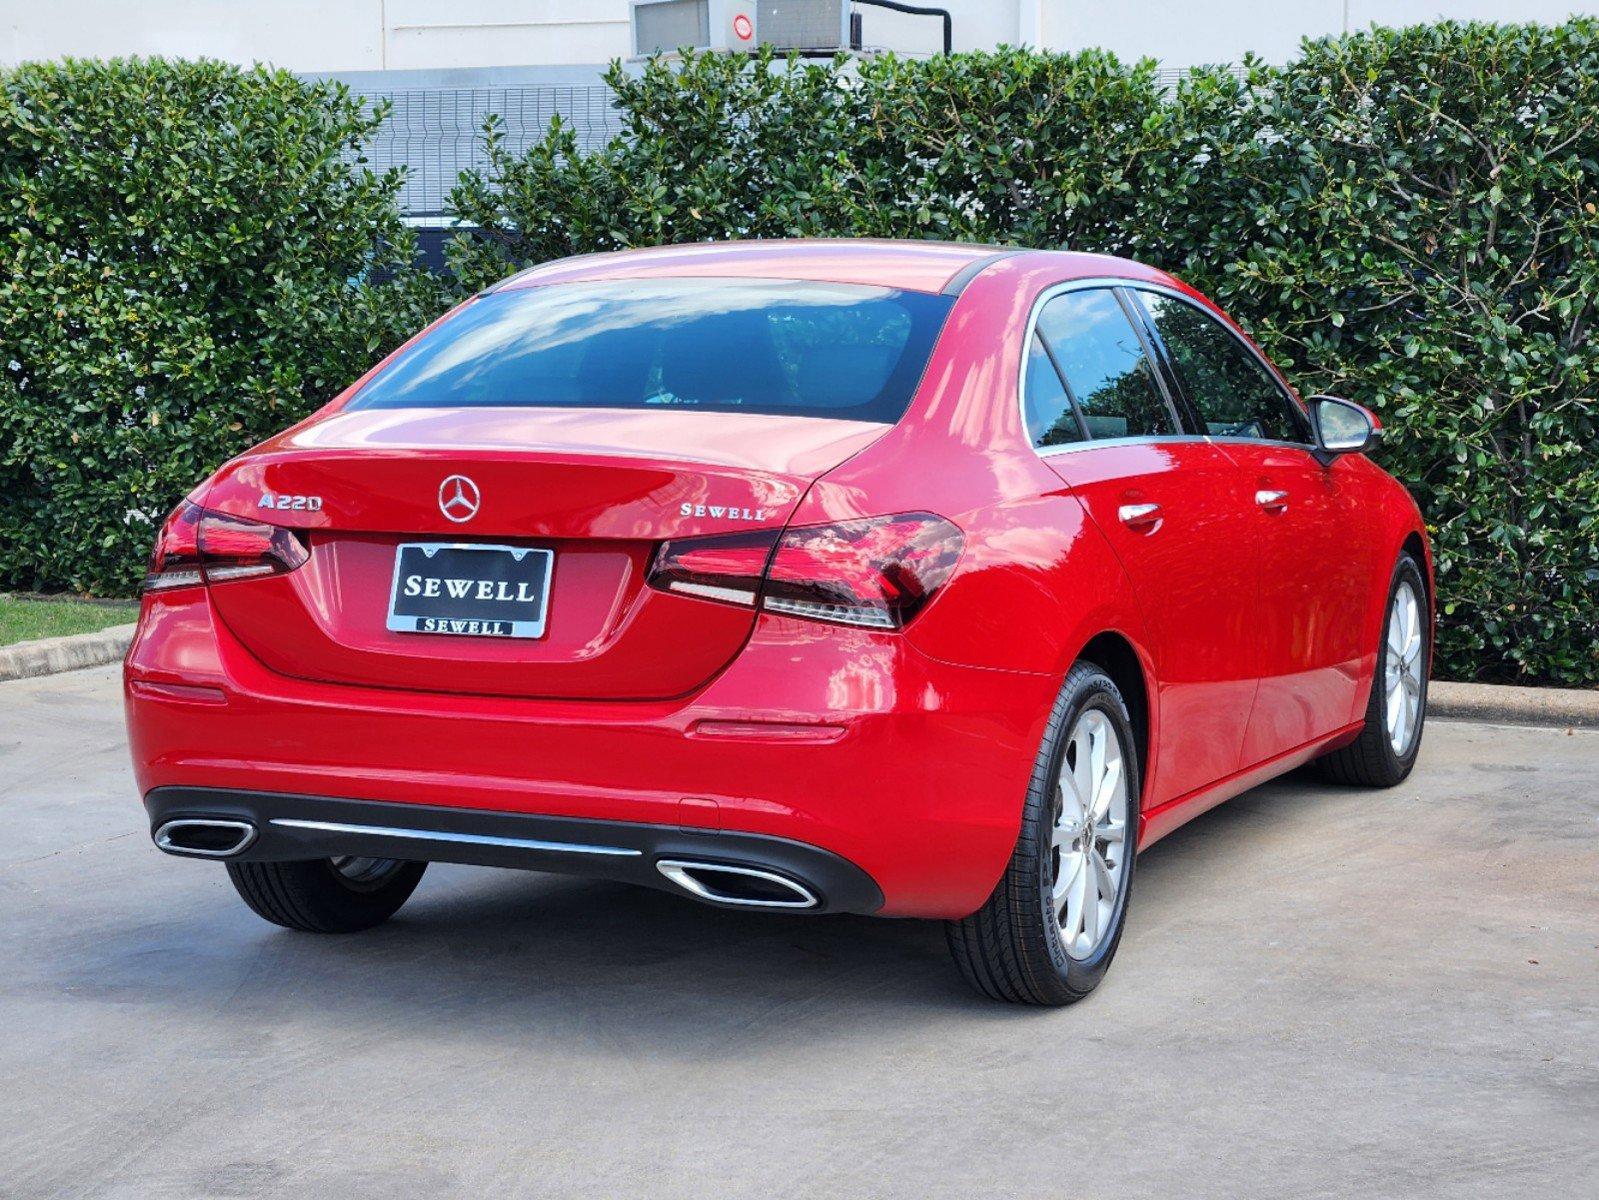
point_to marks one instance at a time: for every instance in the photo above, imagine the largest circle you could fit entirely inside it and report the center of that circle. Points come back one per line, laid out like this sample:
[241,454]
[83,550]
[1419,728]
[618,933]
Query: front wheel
[1049,930]
[1390,739]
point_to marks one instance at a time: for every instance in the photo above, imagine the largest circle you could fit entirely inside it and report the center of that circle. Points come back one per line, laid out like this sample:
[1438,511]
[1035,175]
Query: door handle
[1272,501]
[1141,518]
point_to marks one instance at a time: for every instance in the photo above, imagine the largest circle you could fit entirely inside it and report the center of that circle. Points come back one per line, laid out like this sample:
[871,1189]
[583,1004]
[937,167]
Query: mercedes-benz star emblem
[459,498]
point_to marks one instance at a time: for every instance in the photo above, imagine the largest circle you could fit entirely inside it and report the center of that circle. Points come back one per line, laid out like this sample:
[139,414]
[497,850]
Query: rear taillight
[236,548]
[196,547]
[876,572]
[726,568]
[175,561]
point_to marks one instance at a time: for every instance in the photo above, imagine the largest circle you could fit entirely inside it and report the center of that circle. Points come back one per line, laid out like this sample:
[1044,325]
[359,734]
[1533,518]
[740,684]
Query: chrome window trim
[1090,283]
[1065,390]
[1149,439]
[1114,281]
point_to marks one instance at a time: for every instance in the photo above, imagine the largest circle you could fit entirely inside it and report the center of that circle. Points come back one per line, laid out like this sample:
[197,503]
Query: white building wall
[1183,33]
[427,34]
[977,25]
[323,34]
[376,35]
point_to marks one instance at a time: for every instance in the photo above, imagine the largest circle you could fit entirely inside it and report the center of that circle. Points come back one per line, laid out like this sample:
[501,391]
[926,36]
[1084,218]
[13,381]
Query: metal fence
[436,133]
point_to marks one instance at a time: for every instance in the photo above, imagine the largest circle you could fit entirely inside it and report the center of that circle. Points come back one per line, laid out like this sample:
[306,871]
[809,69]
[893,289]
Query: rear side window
[1232,392]
[728,345]
[1051,420]
[1104,366]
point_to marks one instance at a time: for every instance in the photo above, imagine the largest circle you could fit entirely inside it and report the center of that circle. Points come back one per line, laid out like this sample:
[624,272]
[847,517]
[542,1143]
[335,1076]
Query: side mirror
[1343,427]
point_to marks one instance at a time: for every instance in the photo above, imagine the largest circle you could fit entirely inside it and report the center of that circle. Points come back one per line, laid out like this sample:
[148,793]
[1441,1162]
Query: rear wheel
[1386,749]
[327,895]
[1052,925]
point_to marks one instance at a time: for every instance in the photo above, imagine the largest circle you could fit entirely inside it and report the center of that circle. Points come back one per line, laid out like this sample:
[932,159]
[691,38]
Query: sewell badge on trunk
[470,590]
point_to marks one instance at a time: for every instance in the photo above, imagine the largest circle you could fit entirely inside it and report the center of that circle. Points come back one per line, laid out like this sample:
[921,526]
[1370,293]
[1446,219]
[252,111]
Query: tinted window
[1233,393]
[1107,372]
[1051,421]
[761,346]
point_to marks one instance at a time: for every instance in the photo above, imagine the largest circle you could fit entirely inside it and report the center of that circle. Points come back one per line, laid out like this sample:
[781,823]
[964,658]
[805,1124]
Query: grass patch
[24,620]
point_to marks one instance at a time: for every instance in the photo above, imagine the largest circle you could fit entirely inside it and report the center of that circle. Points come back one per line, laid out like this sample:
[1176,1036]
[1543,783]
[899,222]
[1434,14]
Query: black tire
[317,897]
[1370,760]
[1012,948]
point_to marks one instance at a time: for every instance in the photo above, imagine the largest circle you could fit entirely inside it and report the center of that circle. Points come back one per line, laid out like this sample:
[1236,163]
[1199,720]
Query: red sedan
[901,578]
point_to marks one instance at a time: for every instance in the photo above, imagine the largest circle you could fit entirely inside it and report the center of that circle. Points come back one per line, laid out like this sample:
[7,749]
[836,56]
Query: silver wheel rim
[1402,668]
[1089,846]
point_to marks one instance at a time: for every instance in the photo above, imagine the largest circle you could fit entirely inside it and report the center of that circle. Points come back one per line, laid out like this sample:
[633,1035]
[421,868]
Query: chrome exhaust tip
[747,887]
[205,837]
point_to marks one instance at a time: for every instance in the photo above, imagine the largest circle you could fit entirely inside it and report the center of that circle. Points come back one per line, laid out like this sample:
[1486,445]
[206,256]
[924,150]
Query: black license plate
[470,591]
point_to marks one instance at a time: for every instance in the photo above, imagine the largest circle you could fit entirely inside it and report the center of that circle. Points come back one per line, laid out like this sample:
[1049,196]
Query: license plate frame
[472,614]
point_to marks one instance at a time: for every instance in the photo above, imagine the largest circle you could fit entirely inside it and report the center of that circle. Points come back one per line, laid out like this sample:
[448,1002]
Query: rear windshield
[724,345]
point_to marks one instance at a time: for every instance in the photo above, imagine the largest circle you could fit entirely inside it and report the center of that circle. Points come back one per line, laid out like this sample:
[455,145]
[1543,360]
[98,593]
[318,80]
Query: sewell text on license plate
[470,590]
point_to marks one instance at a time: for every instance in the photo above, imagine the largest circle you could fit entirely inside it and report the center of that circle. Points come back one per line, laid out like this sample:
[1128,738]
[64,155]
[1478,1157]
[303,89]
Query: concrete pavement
[1323,992]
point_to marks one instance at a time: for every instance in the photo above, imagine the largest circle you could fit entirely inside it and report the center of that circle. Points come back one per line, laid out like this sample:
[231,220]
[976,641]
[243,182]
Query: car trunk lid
[598,488]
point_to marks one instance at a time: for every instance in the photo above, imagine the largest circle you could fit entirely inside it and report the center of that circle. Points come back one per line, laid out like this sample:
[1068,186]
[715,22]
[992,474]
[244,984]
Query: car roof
[907,265]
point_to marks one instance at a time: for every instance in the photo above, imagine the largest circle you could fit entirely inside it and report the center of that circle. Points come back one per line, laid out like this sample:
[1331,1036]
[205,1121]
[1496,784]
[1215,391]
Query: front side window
[727,345]
[1233,394]
[1102,361]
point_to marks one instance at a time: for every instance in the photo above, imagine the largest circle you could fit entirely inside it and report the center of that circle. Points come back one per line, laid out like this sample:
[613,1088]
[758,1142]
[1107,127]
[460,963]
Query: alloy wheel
[1402,669]
[1089,844]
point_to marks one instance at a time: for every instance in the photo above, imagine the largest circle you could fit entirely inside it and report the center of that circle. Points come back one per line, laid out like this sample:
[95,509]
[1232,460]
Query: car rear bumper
[889,774]
[734,869]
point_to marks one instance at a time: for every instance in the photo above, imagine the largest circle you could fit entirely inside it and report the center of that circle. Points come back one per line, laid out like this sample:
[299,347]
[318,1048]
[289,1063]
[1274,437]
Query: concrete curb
[1576,707]
[46,656]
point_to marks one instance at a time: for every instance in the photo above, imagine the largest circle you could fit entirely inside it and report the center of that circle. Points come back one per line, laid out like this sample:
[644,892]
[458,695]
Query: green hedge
[1405,217]
[183,254]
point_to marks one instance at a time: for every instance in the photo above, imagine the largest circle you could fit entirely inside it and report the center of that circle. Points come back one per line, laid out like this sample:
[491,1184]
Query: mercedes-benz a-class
[901,578]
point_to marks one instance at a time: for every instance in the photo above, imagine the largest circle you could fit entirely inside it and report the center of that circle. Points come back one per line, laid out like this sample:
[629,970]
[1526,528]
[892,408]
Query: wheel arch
[1115,654]
[1397,528]
[1415,545]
